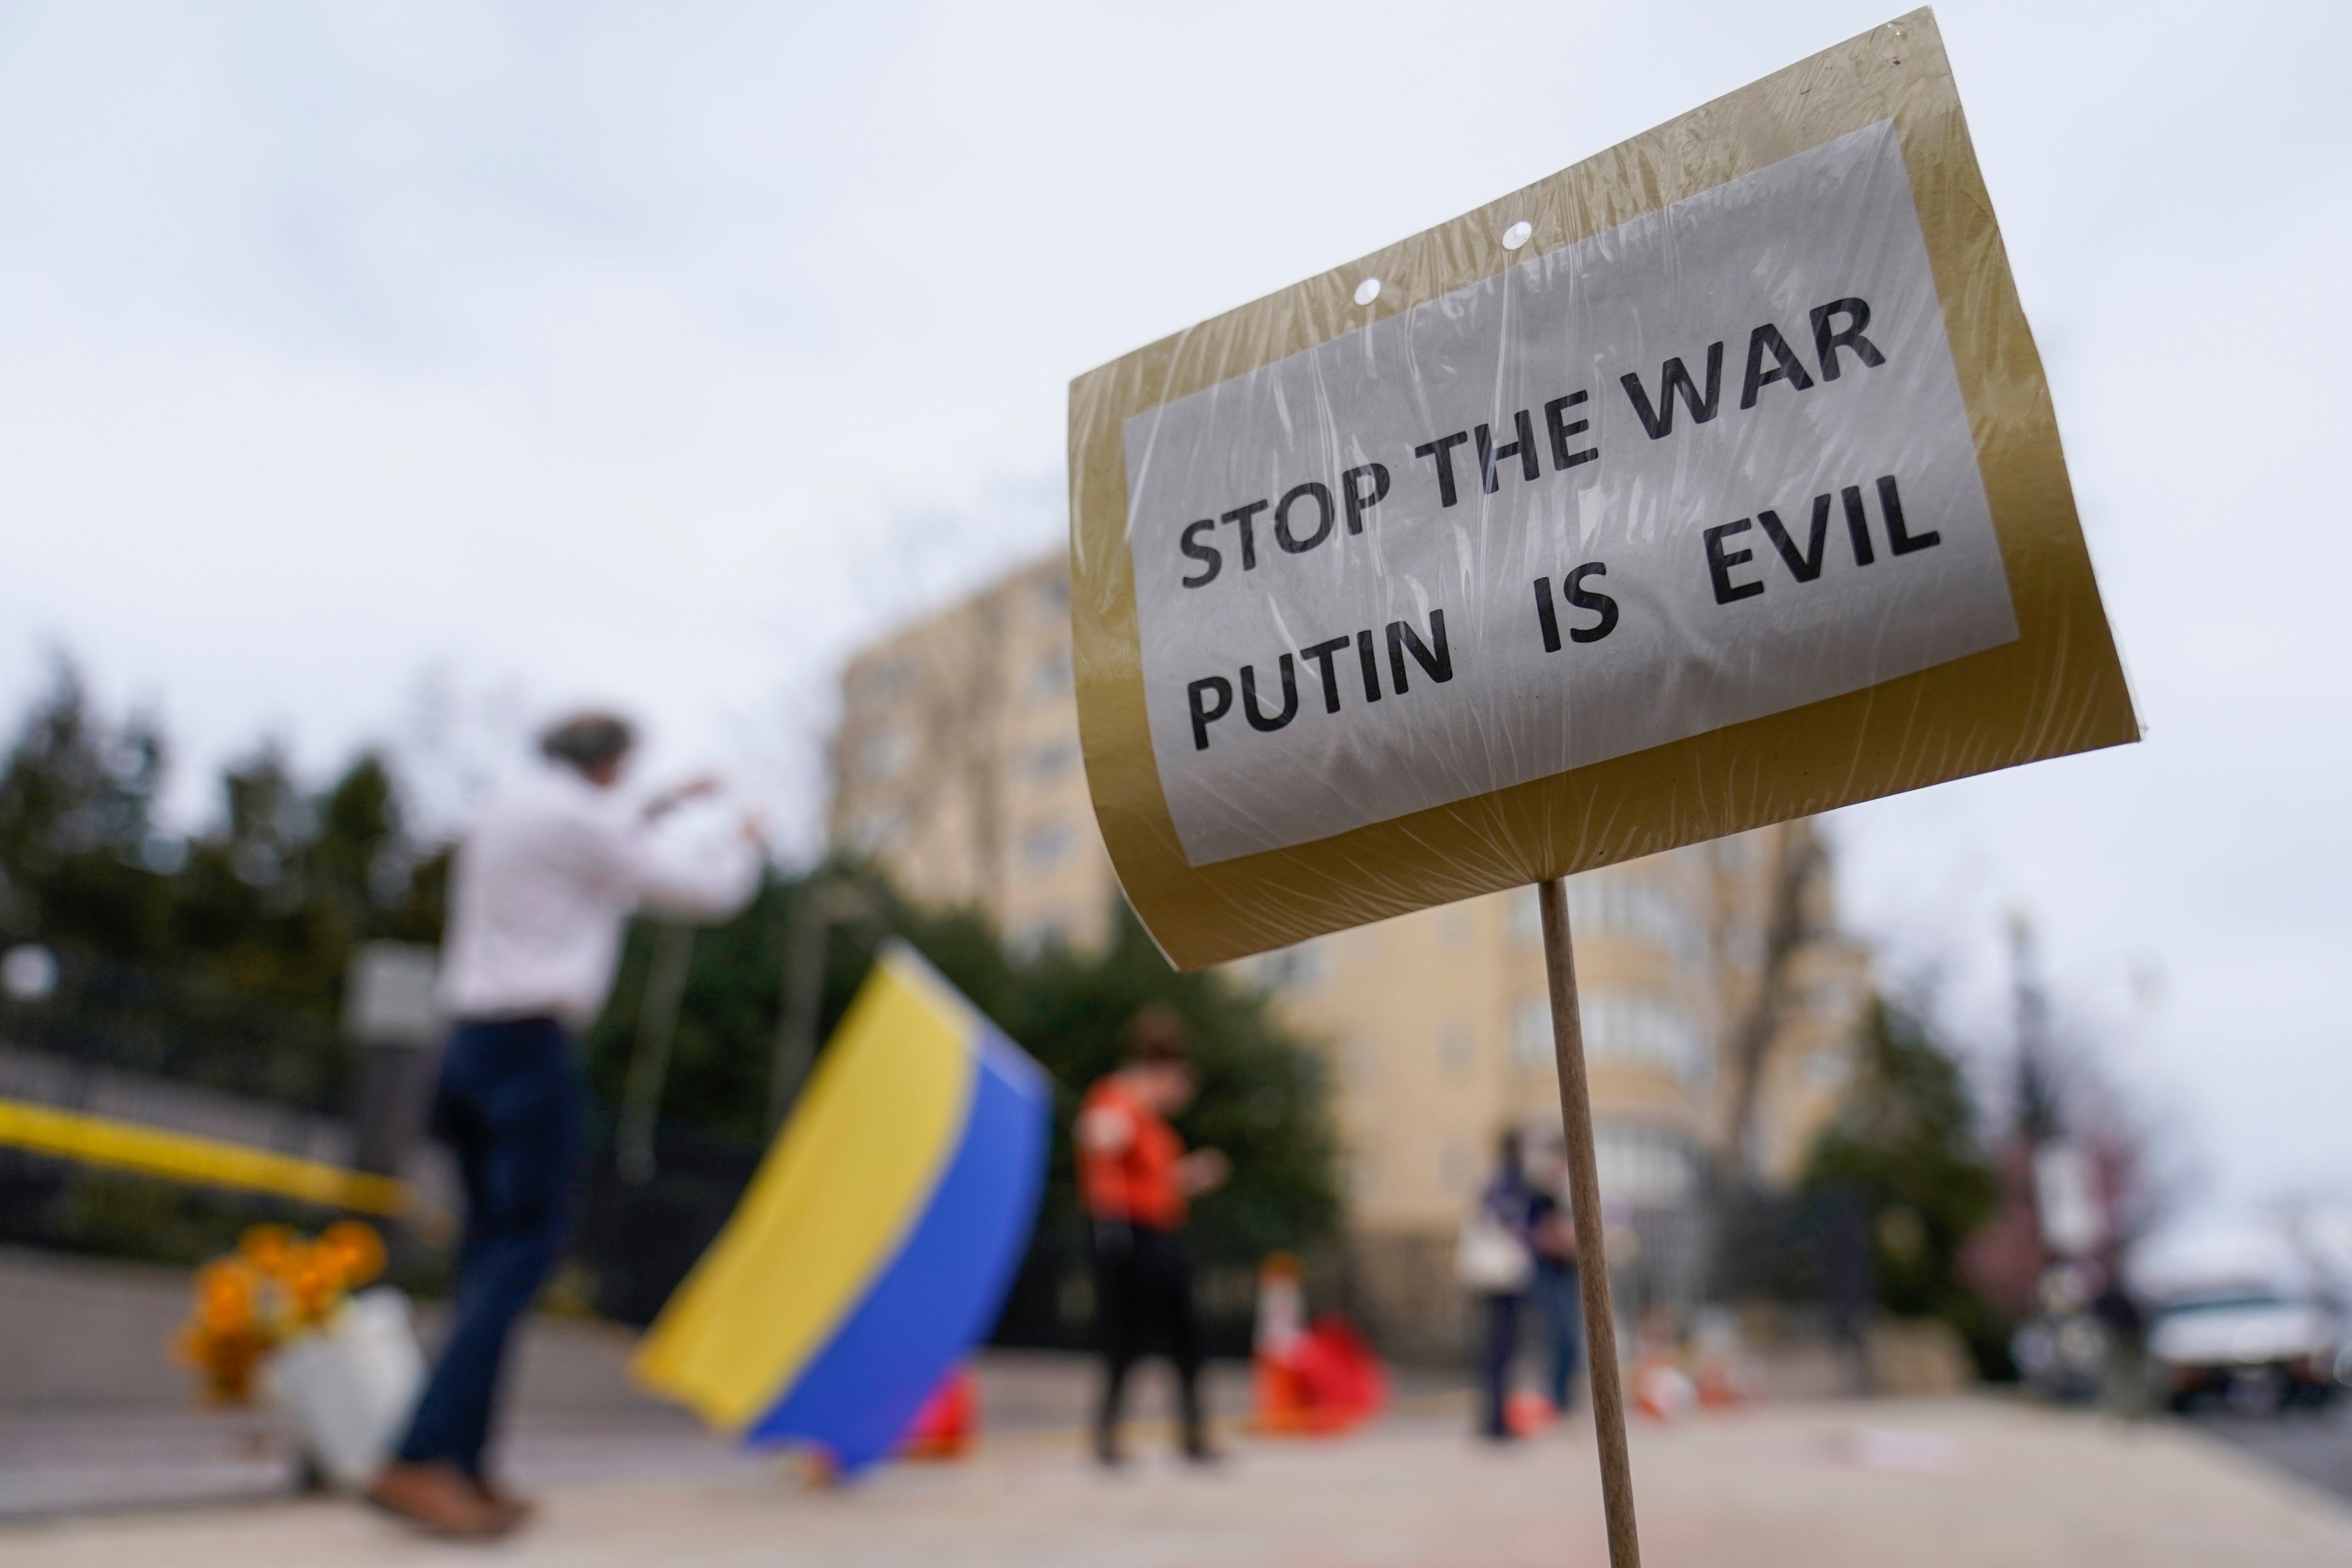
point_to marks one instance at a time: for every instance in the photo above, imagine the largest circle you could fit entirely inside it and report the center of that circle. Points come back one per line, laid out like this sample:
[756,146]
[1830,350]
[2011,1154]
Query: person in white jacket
[544,884]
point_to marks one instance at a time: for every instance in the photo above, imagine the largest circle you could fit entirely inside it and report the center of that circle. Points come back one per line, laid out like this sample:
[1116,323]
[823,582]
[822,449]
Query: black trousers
[1143,1291]
[1501,1346]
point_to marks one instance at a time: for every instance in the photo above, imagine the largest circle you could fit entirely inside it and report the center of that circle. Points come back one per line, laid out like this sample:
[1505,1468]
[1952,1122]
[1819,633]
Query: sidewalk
[1923,1485]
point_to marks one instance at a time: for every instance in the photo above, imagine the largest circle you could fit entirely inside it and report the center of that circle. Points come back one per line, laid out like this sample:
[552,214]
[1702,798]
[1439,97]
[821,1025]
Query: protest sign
[1709,483]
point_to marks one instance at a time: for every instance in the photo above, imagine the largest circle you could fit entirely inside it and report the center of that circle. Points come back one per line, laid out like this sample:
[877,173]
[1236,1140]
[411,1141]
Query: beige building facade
[955,768]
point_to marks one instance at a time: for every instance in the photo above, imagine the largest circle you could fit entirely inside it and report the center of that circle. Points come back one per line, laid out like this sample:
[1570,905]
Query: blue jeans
[1563,1318]
[508,1107]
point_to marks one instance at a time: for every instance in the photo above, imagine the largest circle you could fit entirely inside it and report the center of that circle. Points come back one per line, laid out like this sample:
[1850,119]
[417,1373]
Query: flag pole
[1584,1202]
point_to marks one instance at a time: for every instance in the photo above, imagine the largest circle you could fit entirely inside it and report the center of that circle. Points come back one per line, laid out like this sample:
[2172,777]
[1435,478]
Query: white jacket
[544,886]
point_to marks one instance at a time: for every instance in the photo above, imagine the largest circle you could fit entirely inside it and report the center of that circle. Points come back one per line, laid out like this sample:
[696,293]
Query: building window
[880,683]
[1531,1041]
[1831,1000]
[871,831]
[1046,844]
[1646,1166]
[1291,968]
[1042,936]
[1052,760]
[1053,676]
[1644,1031]
[884,752]
[1627,1026]
[1456,1171]
[1640,907]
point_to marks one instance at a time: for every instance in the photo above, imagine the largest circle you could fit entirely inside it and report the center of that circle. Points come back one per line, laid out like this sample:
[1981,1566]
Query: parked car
[2253,1348]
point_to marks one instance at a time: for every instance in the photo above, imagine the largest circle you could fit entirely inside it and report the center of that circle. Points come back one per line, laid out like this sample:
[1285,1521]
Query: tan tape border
[2058,689]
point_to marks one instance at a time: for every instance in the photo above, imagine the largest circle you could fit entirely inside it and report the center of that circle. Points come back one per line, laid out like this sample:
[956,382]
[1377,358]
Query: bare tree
[1797,861]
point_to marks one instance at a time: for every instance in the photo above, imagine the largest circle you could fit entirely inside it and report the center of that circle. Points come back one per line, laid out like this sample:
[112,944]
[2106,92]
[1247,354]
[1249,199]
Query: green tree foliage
[77,829]
[1907,1141]
[275,898]
[267,903]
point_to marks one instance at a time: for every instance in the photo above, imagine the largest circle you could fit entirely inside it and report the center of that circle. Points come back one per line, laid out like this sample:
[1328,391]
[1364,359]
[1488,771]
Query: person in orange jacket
[1135,1180]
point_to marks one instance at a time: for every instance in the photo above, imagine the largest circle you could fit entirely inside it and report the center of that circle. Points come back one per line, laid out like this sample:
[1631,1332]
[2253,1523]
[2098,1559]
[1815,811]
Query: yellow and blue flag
[873,1249]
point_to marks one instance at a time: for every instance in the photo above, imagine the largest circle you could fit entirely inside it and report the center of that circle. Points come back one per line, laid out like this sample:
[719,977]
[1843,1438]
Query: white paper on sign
[1546,520]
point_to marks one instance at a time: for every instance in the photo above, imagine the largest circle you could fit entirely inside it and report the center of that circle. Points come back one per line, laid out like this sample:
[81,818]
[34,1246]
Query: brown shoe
[517,1511]
[438,1498]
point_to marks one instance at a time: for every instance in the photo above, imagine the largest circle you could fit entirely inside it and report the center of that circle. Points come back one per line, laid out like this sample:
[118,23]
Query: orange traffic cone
[1720,1385]
[1662,1390]
[1280,1393]
[1342,1381]
[949,1422]
[1720,1368]
[1310,1379]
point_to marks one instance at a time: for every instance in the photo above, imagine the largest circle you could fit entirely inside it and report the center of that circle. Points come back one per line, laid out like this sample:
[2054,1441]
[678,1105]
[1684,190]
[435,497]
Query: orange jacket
[1127,1159]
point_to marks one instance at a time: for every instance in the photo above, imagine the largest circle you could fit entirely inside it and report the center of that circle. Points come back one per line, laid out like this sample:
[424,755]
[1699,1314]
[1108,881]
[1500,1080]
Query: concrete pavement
[94,1417]
[1963,1481]
[94,1414]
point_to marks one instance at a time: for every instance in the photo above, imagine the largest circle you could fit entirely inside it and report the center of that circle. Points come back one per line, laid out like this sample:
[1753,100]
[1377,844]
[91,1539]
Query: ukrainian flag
[875,1245]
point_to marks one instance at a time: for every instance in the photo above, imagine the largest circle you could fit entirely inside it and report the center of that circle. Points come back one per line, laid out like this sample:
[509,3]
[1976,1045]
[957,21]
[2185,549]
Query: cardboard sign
[1709,483]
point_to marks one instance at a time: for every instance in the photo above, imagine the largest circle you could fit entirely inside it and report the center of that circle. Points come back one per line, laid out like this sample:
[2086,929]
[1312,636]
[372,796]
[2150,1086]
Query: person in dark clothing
[1134,1183]
[1499,1258]
[1552,1238]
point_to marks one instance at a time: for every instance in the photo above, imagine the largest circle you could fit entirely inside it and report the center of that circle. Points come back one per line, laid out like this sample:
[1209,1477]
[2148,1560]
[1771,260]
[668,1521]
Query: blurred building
[956,768]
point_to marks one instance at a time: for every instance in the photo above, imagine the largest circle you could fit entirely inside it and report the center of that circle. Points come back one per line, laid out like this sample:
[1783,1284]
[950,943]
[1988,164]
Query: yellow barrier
[150,1151]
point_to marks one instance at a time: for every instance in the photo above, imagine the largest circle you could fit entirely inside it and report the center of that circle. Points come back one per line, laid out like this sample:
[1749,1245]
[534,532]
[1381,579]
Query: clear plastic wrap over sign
[1676,495]
[1455,551]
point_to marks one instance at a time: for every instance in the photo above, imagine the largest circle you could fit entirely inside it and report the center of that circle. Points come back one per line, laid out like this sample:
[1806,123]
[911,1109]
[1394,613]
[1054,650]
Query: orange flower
[227,1295]
[355,1250]
[226,1338]
[274,1285]
[272,1248]
[313,1289]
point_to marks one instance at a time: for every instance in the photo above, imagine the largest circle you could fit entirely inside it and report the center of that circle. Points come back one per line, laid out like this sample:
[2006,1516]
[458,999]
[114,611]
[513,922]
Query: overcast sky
[357,359]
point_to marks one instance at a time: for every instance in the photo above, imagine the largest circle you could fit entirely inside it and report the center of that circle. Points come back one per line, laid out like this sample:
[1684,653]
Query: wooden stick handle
[1584,1203]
